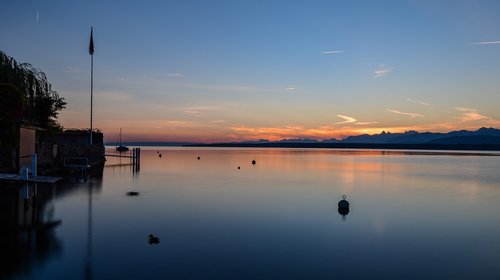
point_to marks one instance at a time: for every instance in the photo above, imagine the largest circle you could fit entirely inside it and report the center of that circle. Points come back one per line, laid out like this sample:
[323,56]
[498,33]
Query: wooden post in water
[34,164]
[137,164]
[136,158]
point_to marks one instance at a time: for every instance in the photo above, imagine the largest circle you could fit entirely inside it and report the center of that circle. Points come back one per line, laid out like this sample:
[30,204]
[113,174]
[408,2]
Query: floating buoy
[153,239]
[343,207]
[254,162]
[159,155]
[344,203]
[198,158]
[238,167]
[132,193]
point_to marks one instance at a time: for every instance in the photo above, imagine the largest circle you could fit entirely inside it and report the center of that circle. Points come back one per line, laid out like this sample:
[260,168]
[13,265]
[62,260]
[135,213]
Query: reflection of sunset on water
[284,211]
[349,170]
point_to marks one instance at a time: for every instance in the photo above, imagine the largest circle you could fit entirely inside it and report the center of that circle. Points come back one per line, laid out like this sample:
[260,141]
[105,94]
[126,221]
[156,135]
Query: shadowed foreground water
[412,216]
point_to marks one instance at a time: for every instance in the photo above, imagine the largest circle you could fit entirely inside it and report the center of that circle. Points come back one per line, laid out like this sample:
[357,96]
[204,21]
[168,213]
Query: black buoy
[238,167]
[198,158]
[343,203]
[132,193]
[153,239]
[343,207]
[159,155]
[254,162]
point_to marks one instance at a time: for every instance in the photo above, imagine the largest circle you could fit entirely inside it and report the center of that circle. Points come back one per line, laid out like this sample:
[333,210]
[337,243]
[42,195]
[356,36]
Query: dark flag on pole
[91,52]
[91,44]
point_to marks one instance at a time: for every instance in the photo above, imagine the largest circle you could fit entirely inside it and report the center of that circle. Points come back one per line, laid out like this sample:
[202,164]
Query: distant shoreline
[454,147]
[459,147]
[483,139]
[446,147]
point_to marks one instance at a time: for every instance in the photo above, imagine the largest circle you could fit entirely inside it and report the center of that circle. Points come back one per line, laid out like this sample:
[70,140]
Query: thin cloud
[331,52]
[470,114]
[413,115]
[382,71]
[351,120]
[198,110]
[290,88]
[203,107]
[70,69]
[346,119]
[192,112]
[175,75]
[114,95]
[417,102]
[230,88]
[486,43]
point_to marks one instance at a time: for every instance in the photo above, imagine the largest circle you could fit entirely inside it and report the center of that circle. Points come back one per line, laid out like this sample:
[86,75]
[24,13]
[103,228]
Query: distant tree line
[38,104]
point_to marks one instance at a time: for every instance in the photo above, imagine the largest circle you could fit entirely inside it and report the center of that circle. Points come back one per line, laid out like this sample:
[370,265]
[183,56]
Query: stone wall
[53,150]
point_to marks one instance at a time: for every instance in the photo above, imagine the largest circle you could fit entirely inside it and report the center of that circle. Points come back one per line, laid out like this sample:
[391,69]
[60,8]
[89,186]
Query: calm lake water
[412,215]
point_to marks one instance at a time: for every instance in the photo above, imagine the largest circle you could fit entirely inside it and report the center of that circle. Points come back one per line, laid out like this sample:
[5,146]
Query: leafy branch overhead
[40,103]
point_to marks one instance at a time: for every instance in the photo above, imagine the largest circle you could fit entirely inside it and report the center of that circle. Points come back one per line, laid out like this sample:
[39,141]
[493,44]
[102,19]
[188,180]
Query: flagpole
[91,52]
[91,92]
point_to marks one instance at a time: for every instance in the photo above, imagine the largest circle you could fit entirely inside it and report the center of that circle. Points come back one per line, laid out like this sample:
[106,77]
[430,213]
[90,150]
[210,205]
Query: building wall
[54,149]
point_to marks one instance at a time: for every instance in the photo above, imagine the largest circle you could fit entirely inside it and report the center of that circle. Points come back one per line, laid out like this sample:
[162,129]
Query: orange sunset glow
[241,73]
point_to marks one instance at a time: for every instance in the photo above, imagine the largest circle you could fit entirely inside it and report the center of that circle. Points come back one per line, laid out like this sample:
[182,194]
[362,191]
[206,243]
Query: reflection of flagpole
[91,52]
[88,262]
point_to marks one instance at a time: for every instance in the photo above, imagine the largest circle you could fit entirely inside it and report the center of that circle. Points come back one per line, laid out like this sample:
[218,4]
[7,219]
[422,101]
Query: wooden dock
[134,157]
[31,179]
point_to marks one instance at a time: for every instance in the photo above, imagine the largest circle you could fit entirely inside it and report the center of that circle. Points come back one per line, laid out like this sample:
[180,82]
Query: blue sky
[235,70]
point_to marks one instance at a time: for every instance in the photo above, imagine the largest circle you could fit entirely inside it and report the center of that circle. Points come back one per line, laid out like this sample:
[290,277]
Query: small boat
[120,147]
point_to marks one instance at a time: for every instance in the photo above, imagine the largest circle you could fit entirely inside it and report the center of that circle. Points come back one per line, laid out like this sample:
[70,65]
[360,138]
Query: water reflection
[88,260]
[29,223]
[273,220]
[27,220]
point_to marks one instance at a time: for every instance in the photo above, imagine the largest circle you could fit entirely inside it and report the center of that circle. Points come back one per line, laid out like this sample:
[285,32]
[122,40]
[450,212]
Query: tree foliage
[41,104]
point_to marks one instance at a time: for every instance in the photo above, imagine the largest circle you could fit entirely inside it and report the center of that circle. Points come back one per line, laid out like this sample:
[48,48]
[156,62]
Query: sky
[210,71]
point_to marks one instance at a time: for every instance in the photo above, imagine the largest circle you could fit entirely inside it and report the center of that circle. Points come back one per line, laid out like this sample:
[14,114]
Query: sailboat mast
[120,137]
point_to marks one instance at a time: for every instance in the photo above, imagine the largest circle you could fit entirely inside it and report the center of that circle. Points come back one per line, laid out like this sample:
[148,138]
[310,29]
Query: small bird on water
[254,162]
[153,239]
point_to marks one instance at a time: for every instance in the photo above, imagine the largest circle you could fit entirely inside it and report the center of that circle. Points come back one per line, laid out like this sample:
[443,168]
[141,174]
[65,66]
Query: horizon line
[284,139]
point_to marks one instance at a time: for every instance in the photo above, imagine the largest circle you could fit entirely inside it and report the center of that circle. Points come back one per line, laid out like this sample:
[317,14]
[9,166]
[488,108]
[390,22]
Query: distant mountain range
[480,137]
[487,136]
